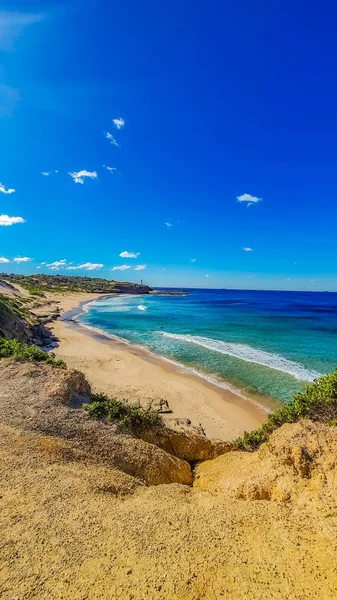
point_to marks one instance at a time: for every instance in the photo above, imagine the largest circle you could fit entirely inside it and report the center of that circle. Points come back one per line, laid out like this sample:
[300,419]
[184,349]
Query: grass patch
[128,415]
[318,402]
[26,353]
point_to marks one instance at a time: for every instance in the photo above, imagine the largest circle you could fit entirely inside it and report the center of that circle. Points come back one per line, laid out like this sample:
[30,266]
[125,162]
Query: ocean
[266,345]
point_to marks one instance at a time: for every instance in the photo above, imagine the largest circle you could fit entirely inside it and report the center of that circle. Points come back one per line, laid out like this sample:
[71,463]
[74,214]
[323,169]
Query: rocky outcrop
[188,446]
[12,325]
[8,289]
[298,464]
[48,400]
[130,288]
[169,293]
[16,322]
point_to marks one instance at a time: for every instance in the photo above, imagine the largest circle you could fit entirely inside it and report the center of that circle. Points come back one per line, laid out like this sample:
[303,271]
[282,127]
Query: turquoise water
[265,344]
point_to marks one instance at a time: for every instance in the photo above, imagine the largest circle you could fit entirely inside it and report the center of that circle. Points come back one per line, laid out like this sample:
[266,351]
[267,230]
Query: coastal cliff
[100,499]
[103,521]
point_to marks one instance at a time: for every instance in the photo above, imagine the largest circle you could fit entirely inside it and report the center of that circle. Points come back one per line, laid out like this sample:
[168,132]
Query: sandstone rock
[298,464]
[187,446]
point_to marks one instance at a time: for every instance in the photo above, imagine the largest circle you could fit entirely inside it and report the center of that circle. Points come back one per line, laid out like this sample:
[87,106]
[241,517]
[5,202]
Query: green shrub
[24,352]
[129,415]
[35,291]
[318,402]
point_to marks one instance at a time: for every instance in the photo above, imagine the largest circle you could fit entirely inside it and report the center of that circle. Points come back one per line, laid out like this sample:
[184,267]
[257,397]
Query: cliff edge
[89,510]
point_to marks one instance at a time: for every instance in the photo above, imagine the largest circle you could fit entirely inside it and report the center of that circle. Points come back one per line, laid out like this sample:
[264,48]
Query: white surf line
[248,354]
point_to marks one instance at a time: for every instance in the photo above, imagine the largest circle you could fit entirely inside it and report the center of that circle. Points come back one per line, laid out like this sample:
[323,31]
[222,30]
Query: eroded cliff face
[12,325]
[89,511]
[41,398]
[297,465]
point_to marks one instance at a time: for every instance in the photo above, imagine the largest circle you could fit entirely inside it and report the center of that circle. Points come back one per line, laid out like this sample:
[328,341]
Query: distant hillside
[40,283]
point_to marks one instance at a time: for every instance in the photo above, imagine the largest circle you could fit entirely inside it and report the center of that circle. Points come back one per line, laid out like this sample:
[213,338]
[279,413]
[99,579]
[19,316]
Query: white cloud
[78,177]
[110,169]
[21,259]
[12,24]
[140,267]
[88,266]
[119,123]
[126,254]
[193,260]
[4,260]
[121,268]
[45,173]
[248,198]
[168,224]
[247,249]
[111,139]
[207,275]
[7,221]
[5,190]
[58,264]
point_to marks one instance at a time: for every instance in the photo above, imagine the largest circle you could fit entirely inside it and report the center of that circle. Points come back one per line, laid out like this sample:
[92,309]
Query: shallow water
[264,343]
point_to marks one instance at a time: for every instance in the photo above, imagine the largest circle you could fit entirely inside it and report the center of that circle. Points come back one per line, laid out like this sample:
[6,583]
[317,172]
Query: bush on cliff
[129,415]
[318,402]
[24,352]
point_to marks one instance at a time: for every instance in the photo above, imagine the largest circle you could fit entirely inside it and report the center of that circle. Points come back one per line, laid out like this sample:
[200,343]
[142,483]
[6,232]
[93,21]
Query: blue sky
[212,103]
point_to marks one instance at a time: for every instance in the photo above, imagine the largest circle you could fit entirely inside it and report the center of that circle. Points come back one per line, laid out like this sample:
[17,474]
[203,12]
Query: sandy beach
[134,374]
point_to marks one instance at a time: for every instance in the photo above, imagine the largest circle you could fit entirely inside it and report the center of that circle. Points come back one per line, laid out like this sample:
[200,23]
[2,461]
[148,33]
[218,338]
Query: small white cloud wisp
[121,268]
[5,190]
[79,176]
[249,199]
[140,267]
[58,264]
[111,170]
[168,224]
[4,260]
[126,254]
[111,139]
[6,221]
[247,249]
[22,259]
[88,266]
[119,123]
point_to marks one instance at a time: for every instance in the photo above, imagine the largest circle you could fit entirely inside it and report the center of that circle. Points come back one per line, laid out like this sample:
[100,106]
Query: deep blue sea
[265,344]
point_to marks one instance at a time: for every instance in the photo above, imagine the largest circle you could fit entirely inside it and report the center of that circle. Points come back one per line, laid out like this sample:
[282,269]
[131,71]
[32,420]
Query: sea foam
[248,354]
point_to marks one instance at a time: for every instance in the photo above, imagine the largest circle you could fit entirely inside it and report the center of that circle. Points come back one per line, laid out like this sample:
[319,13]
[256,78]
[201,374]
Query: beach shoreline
[133,373]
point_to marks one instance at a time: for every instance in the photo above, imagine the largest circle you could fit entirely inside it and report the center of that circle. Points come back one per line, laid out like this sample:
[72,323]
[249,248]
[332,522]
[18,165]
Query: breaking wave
[248,354]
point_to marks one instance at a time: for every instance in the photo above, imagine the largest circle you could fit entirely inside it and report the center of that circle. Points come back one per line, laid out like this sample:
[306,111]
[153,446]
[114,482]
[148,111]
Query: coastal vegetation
[27,353]
[40,283]
[318,402]
[128,415]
